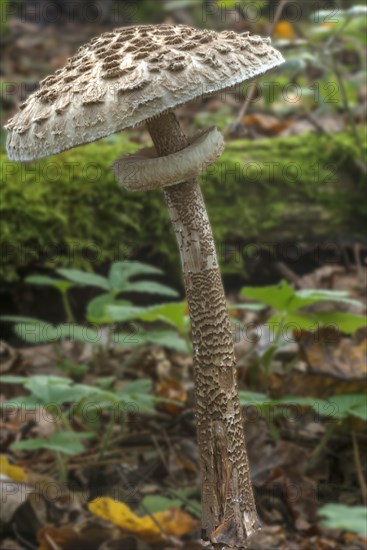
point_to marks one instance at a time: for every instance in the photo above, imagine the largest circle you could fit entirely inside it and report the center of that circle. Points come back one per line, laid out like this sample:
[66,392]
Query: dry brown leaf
[171,389]
[328,352]
[67,537]
[267,124]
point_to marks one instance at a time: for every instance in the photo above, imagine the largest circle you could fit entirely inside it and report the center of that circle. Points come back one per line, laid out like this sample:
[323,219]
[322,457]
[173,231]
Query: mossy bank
[69,209]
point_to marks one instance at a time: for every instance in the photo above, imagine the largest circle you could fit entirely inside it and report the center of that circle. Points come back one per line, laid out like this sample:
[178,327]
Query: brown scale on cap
[165,66]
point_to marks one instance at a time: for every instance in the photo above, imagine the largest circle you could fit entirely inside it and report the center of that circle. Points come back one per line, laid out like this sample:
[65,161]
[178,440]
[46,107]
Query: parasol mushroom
[140,74]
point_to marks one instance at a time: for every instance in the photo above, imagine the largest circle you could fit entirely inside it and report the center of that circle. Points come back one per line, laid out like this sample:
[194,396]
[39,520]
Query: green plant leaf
[44,280]
[344,322]
[144,385]
[120,313]
[351,404]
[173,313]
[328,295]
[84,278]
[97,306]
[19,319]
[157,503]
[338,406]
[247,307]
[285,299]
[286,324]
[79,333]
[165,338]
[12,379]
[121,272]
[137,394]
[37,332]
[276,296]
[55,443]
[349,518]
[25,401]
[253,398]
[30,444]
[150,287]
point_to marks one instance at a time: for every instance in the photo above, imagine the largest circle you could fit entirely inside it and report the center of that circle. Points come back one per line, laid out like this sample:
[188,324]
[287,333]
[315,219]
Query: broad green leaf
[19,319]
[105,382]
[80,333]
[150,287]
[96,309]
[276,296]
[121,272]
[290,322]
[283,298]
[12,379]
[173,314]
[349,518]
[30,444]
[84,278]
[253,398]
[328,296]
[120,313]
[144,385]
[157,503]
[37,332]
[24,401]
[59,437]
[344,322]
[168,339]
[351,404]
[48,391]
[247,307]
[138,403]
[129,338]
[44,280]
[68,447]
[136,396]
[338,406]
[165,338]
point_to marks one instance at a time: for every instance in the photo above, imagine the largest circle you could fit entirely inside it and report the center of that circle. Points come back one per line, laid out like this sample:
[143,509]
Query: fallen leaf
[266,124]
[15,473]
[284,30]
[171,389]
[326,351]
[150,529]
[68,537]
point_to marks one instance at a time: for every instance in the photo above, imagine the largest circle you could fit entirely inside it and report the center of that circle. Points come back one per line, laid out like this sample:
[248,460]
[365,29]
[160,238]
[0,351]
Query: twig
[288,273]
[358,463]
[321,446]
[252,90]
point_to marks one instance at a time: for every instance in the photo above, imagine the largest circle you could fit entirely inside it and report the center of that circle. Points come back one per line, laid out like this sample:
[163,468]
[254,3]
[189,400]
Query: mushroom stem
[229,513]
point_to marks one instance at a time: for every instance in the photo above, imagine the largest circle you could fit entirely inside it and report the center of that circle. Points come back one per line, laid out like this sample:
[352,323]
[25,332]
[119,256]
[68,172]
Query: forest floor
[303,455]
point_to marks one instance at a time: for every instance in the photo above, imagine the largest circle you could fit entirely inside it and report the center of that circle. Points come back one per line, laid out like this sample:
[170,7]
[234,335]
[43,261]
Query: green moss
[69,210]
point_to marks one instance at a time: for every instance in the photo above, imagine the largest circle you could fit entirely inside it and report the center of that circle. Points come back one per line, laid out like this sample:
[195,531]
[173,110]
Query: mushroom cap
[127,76]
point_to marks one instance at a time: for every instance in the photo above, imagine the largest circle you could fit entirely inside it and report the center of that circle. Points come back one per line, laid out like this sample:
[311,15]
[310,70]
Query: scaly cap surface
[124,77]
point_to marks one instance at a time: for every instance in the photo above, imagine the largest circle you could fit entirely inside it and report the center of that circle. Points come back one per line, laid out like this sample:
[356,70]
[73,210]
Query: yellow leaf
[16,473]
[150,529]
[284,30]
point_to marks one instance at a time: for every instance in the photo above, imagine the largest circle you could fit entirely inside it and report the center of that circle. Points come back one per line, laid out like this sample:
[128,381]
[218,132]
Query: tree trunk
[229,515]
